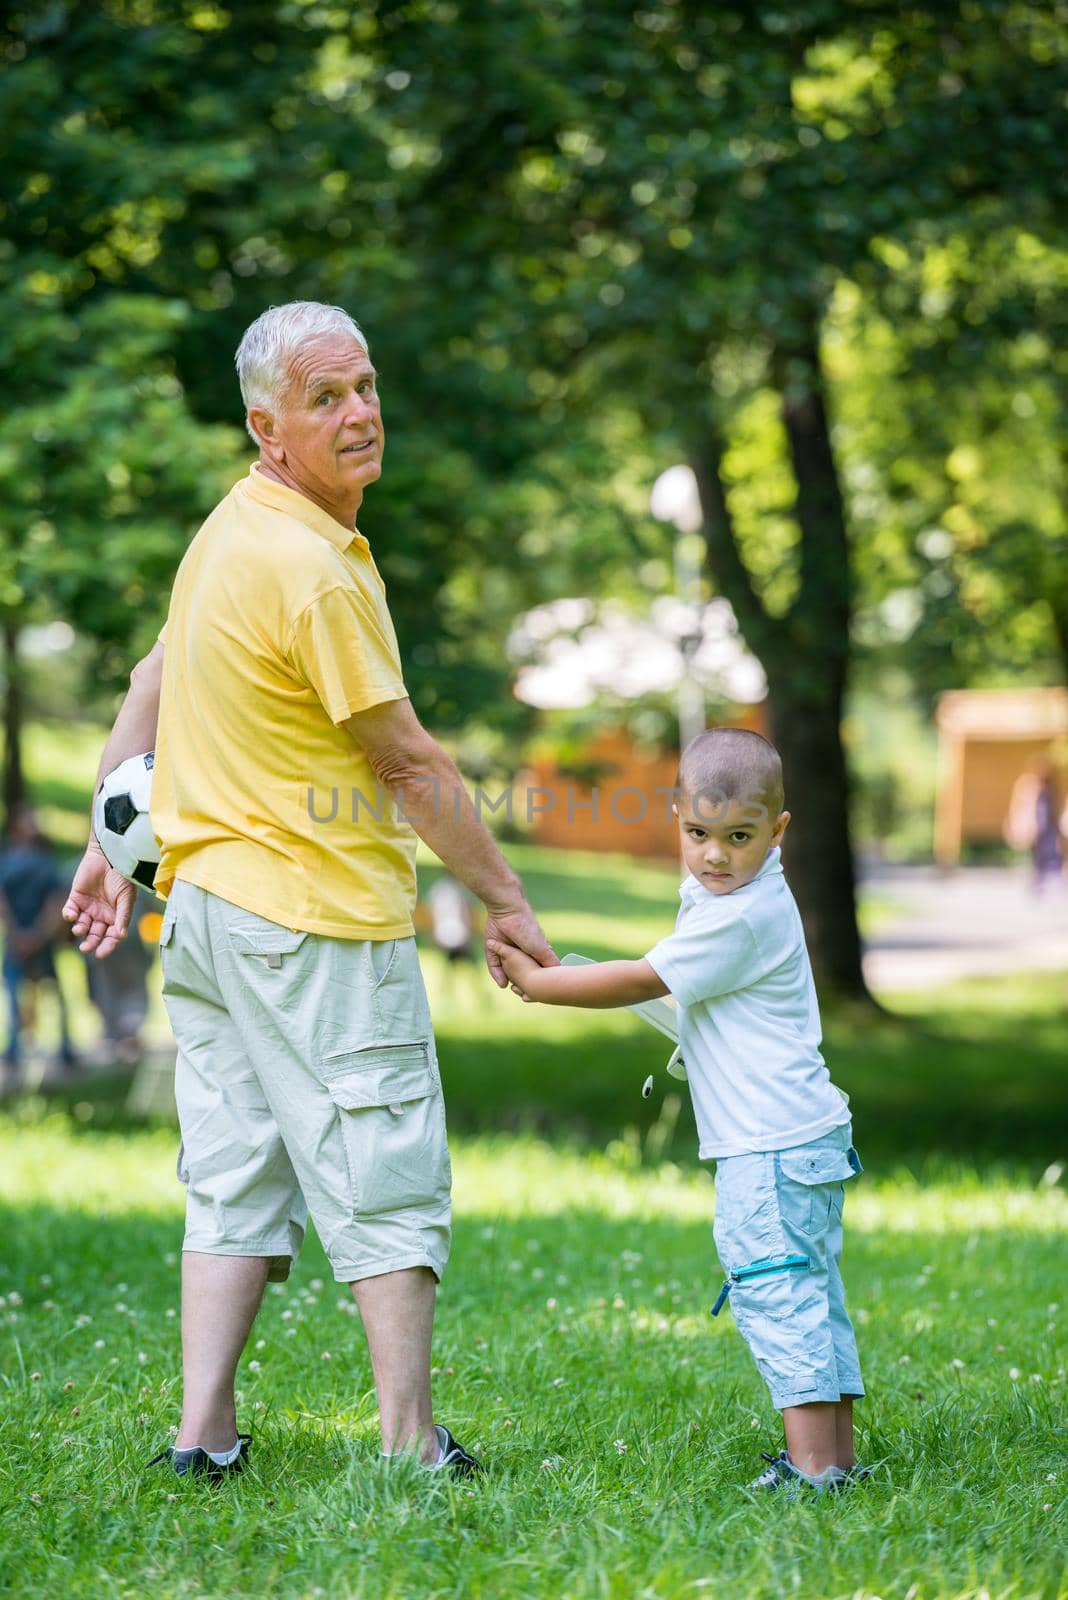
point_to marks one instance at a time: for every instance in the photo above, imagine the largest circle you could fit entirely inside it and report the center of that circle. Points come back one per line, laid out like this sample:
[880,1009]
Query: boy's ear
[780,827]
[674,809]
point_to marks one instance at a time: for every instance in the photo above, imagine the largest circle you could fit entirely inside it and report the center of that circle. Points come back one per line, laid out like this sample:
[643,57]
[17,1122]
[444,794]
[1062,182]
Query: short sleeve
[341,649]
[703,960]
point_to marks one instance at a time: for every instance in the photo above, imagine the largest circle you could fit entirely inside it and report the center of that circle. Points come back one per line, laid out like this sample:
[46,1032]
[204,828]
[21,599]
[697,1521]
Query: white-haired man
[306,1077]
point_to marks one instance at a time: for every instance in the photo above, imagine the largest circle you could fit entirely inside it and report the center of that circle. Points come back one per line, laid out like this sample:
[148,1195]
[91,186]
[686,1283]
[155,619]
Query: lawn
[574,1347]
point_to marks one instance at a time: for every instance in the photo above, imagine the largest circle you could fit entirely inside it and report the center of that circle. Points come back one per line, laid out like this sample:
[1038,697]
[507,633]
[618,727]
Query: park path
[975,922]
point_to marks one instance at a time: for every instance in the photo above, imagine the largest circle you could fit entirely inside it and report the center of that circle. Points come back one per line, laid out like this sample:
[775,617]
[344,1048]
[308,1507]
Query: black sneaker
[454,1458]
[199,1463]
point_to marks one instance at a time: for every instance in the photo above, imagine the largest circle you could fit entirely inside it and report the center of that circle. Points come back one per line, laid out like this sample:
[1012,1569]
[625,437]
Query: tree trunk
[14,780]
[805,655]
[817,852]
[808,694]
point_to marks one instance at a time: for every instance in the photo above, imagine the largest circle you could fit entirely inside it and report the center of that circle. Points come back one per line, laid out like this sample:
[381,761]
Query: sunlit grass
[574,1349]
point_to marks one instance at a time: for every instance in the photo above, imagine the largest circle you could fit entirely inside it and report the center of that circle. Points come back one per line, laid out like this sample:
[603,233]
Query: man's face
[725,843]
[329,425]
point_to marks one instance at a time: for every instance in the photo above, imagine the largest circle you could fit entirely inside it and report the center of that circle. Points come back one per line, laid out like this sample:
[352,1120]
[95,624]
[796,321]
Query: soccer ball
[122,823]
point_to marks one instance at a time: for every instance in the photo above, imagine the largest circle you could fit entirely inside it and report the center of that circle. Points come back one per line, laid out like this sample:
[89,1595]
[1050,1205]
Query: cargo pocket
[393,1125]
[813,1190]
[267,945]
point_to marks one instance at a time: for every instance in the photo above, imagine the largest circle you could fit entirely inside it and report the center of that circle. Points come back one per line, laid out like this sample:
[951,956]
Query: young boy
[765,1106]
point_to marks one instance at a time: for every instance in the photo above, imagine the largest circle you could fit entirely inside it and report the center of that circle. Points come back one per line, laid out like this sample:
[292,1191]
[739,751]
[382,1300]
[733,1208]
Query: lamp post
[674,498]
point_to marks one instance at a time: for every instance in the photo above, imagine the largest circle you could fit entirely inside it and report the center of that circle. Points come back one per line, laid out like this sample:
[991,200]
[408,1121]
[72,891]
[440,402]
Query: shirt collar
[690,889]
[269,492]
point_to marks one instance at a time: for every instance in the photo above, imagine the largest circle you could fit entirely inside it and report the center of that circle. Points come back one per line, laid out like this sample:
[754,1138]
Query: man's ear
[263,424]
[781,825]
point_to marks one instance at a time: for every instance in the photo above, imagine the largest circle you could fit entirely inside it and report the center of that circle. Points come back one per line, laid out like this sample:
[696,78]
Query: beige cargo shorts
[306,1081]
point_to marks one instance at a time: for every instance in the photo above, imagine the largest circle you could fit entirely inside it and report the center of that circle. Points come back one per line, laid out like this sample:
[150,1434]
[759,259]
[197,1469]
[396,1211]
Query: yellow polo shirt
[277,631]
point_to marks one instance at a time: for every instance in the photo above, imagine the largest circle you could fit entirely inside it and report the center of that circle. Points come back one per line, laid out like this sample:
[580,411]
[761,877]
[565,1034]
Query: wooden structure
[986,739]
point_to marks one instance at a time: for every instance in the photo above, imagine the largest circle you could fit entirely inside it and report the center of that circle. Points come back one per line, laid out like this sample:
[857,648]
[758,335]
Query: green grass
[573,1347]
[574,1350]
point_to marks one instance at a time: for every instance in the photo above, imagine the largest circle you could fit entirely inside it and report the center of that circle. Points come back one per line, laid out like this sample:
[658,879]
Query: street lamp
[674,498]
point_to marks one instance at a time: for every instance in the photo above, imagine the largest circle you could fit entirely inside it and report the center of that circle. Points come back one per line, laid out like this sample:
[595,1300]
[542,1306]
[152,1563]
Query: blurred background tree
[811,250]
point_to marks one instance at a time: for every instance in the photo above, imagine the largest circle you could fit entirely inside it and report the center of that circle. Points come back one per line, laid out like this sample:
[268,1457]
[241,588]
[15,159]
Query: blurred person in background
[454,925]
[119,989]
[32,891]
[1034,822]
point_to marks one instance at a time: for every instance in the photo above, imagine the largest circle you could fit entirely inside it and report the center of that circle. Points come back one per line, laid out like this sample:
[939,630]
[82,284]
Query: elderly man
[306,1077]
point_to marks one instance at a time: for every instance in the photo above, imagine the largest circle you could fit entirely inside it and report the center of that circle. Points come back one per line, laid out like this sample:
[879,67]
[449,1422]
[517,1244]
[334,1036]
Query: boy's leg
[846,1456]
[820,1435]
[812,1435]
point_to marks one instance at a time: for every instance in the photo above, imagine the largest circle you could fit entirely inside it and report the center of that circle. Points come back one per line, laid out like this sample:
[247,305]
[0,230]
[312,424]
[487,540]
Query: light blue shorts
[778,1231]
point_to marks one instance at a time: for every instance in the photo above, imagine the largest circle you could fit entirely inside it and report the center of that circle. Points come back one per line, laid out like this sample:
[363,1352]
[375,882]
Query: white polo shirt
[749,1024]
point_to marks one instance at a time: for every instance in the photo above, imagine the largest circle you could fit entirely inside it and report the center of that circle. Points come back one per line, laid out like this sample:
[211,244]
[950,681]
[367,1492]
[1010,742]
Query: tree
[665,201]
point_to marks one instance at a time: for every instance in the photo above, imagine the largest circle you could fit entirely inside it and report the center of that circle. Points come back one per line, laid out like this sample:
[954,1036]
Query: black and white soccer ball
[122,823]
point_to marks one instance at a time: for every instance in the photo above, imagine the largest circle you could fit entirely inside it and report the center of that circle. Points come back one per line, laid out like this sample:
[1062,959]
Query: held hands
[99,904]
[515,932]
[520,969]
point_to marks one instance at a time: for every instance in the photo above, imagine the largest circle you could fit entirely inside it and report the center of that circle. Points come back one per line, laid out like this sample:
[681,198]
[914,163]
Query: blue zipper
[759,1269]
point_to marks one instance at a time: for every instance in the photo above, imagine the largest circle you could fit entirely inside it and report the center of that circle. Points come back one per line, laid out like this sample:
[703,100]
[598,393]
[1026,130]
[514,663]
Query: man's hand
[517,929]
[99,904]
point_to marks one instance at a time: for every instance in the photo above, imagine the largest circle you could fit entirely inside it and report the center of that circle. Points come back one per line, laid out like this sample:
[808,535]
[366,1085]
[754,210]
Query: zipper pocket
[759,1269]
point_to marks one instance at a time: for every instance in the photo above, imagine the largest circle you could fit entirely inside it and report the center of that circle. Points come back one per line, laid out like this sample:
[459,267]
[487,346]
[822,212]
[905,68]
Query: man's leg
[397,1309]
[220,1298]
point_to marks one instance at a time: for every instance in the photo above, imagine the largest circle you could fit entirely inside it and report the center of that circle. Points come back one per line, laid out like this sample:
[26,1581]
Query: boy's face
[725,842]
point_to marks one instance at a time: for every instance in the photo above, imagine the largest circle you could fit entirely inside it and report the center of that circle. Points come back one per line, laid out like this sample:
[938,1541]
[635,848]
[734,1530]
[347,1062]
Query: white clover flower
[287,1316]
[957,1363]
[1015,1374]
[550,1304]
[261,1344]
[98,1344]
[170,1312]
[142,1357]
[255,1366]
[326,1356]
[621,1447]
[316,1284]
[558,1383]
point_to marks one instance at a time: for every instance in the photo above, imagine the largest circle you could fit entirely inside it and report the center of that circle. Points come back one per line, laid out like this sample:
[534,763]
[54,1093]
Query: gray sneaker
[780,1472]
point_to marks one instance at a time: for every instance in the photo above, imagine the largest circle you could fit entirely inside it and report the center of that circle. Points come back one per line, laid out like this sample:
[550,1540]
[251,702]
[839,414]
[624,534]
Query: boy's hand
[520,969]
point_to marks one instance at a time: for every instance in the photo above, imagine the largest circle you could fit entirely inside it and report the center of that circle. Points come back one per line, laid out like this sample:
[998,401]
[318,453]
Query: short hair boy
[766,1109]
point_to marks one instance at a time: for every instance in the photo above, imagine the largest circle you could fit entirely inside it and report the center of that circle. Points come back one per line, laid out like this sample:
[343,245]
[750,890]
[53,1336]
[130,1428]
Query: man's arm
[101,899]
[598,985]
[426,782]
